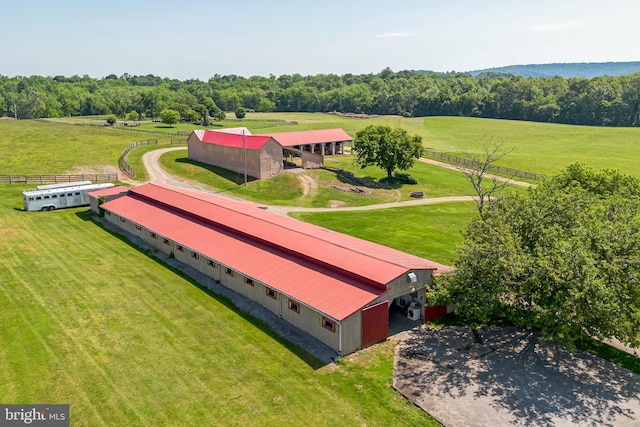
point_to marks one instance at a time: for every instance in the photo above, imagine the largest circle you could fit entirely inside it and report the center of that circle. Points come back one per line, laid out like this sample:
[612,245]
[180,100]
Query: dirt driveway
[511,380]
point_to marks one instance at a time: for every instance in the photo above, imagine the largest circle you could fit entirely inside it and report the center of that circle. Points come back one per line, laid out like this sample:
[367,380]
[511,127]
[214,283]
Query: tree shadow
[349,178]
[524,382]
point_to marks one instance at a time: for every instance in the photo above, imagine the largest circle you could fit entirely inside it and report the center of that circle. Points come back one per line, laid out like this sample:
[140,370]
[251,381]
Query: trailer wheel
[44,208]
[52,208]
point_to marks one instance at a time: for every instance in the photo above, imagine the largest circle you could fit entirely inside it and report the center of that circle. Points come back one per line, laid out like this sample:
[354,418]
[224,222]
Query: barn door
[375,323]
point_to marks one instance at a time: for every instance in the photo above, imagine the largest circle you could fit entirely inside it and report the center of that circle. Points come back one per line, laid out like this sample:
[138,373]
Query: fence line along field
[90,320]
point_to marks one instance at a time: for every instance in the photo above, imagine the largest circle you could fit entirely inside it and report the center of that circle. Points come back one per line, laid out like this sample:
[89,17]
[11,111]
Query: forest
[599,101]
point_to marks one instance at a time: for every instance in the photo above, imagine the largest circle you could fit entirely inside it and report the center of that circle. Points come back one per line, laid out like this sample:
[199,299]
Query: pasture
[90,320]
[537,147]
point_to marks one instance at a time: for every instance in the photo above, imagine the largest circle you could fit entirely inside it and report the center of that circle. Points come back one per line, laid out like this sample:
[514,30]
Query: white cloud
[567,25]
[395,35]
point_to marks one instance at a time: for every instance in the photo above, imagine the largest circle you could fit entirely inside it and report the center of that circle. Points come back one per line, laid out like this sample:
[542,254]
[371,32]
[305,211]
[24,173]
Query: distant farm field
[91,321]
[537,147]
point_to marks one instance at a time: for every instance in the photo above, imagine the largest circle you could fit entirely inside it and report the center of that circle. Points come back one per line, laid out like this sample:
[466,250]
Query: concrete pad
[511,380]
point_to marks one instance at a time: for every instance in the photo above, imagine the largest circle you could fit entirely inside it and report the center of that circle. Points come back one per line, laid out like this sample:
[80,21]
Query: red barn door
[375,323]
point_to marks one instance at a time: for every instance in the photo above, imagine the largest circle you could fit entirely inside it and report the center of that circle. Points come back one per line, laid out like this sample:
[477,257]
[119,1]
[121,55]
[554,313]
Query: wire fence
[122,163]
[473,164]
[55,179]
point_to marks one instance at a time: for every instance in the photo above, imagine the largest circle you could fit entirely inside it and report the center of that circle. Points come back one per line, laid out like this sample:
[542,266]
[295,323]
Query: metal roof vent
[412,277]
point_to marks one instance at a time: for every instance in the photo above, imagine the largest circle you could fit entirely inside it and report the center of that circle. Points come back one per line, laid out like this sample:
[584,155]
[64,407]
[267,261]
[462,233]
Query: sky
[191,39]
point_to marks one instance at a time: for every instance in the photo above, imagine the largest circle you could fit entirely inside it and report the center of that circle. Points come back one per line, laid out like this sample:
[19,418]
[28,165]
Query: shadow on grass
[234,177]
[300,352]
[350,178]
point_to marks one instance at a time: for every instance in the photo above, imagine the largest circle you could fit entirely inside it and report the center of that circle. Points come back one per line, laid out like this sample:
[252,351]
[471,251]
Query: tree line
[599,101]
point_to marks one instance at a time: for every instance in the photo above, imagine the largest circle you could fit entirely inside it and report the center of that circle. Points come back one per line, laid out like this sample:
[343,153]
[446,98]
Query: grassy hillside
[32,147]
[537,147]
[89,320]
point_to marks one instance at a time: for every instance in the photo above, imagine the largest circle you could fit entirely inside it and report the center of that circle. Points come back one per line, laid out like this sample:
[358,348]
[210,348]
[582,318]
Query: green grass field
[286,189]
[89,320]
[429,231]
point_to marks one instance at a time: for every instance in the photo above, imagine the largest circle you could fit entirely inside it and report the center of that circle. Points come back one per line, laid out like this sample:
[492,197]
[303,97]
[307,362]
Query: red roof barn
[335,287]
[263,156]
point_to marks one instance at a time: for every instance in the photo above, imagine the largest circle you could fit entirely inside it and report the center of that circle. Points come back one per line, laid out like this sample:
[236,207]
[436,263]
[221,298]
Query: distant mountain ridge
[577,69]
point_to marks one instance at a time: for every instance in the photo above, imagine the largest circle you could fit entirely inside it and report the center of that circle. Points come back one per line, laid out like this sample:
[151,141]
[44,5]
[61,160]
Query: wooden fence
[471,164]
[122,163]
[55,179]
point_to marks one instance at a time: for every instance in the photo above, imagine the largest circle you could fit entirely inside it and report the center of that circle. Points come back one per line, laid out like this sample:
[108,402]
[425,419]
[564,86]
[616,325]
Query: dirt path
[157,174]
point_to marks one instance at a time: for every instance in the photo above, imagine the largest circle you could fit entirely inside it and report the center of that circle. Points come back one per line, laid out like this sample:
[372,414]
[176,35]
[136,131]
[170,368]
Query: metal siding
[274,305]
[329,271]
[351,333]
[375,323]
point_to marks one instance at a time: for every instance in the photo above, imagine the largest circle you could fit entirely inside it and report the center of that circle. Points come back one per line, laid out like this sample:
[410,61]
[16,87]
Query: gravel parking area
[511,380]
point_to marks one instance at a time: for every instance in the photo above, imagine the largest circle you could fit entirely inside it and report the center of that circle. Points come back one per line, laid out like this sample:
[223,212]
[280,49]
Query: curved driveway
[157,174]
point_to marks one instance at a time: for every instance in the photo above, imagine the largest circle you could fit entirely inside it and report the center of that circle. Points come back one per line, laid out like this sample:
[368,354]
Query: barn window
[70,194]
[109,213]
[38,198]
[138,227]
[294,306]
[122,219]
[271,293]
[210,263]
[78,193]
[55,196]
[62,195]
[328,324]
[153,235]
[180,248]
[229,271]
[195,255]
[248,281]
[46,197]
[166,241]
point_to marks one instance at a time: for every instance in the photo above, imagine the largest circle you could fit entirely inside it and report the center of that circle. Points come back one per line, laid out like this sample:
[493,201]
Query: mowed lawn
[89,320]
[31,147]
[429,231]
[537,147]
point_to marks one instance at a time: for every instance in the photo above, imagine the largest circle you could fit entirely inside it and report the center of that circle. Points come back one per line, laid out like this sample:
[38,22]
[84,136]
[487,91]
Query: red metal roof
[118,189]
[253,142]
[332,272]
[288,139]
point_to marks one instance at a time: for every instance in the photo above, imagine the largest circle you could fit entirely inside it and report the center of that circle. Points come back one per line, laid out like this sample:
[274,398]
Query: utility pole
[244,144]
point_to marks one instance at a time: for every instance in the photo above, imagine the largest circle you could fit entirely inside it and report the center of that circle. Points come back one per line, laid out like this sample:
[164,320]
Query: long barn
[335,287]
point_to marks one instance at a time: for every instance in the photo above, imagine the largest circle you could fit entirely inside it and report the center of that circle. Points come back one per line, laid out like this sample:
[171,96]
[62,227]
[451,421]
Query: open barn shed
[335,287]
[264,156]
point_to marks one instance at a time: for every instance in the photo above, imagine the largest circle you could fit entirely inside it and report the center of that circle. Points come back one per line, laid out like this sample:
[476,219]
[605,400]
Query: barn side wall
[305,318]
[262,164]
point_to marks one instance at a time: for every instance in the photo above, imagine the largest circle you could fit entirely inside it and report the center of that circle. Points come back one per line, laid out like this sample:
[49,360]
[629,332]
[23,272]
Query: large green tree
[563,259]
[386,147]
[169,117]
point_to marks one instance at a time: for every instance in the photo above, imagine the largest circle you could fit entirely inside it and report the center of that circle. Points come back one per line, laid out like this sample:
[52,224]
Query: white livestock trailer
[57,196]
